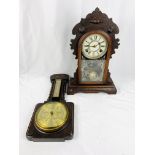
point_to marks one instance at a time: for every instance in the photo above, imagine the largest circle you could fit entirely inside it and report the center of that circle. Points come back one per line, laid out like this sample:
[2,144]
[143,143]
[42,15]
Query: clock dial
[94,46]
[51,116]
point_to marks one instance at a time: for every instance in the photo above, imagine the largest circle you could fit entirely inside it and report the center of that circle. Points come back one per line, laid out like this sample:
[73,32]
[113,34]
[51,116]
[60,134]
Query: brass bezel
[50,129]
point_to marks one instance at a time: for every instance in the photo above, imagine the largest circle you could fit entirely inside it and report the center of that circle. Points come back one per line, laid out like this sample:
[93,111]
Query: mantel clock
[93,47]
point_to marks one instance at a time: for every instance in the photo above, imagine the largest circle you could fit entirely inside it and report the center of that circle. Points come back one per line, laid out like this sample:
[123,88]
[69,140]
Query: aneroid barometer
[53,119]
[93,47]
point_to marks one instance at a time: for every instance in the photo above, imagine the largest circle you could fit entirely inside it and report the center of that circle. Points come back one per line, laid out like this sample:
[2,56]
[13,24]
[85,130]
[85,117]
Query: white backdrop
[104,124]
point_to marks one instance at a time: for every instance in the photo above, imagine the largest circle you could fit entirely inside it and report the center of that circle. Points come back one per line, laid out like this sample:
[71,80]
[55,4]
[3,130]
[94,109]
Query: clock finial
[97,9]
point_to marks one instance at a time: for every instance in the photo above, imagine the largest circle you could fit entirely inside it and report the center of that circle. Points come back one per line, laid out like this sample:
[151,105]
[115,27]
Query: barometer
[53,119]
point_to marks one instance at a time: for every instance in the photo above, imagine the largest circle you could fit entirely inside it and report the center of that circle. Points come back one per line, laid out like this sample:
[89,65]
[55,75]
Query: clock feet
[74,88]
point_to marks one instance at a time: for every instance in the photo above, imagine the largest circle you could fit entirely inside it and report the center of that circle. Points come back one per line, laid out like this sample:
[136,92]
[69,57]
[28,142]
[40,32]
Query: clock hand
[94,45]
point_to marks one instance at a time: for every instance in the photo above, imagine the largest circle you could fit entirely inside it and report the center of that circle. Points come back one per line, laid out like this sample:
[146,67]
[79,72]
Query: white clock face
[94,46]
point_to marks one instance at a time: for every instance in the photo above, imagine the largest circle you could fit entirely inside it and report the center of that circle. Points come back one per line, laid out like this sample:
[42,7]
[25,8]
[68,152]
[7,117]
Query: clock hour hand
[94,45]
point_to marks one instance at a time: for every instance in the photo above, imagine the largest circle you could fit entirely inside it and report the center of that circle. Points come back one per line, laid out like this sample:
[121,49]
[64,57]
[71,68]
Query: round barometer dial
[94,46]
[51,116]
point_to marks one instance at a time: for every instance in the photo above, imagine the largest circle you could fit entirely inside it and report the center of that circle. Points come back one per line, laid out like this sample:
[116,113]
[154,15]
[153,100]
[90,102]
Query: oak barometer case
[93,47]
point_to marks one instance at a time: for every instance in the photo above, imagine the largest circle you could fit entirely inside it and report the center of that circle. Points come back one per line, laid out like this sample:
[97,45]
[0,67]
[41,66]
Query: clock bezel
[107,58]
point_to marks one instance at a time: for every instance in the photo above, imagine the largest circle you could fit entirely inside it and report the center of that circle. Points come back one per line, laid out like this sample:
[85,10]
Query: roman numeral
[91,38]
[99,39]
[86,45]
[95,37]
[102,45]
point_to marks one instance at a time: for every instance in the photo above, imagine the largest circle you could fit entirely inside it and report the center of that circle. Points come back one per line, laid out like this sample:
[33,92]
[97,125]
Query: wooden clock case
[95,22]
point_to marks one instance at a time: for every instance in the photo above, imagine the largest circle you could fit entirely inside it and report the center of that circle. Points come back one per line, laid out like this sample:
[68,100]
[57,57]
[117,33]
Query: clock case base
[74,87]
[65,133]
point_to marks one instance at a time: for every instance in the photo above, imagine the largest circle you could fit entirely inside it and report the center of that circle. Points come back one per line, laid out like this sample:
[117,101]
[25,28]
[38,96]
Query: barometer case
[53,120]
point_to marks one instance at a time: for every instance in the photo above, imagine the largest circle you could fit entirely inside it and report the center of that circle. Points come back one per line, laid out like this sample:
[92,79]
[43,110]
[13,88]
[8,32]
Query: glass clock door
[92,63]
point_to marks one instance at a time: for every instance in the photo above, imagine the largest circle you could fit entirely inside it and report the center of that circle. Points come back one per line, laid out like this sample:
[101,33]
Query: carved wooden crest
[95,21]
